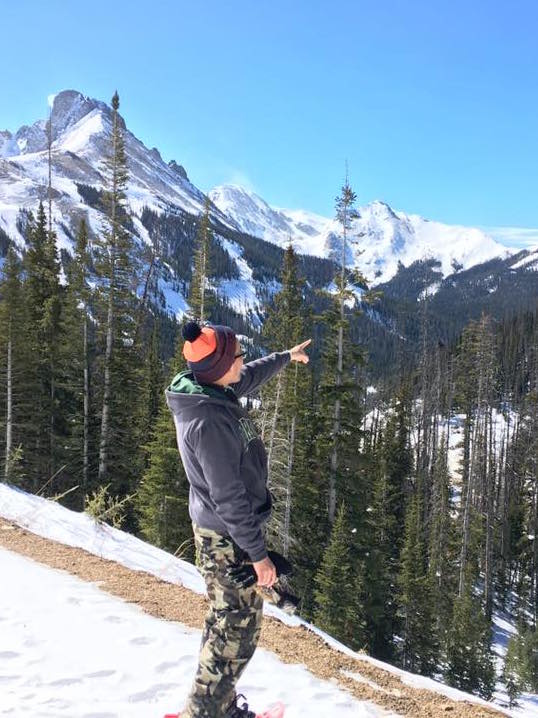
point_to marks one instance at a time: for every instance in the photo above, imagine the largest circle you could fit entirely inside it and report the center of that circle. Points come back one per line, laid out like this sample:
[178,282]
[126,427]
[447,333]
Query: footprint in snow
[99,674]
[153,692]
[169,665]
[114,619]
[65,682]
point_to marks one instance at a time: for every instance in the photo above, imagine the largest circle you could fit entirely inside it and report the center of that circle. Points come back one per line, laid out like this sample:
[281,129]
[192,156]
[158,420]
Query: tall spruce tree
[43,298]
[420,647]
[13,361]
[443,545]
[345,214]
[378,591]
[338,610]
[76,363]
[120,456]
[391,463]
[469,660]
[162,501]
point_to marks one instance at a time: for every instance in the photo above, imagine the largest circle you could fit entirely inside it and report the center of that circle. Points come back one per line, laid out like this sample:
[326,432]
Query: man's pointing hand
[298,353]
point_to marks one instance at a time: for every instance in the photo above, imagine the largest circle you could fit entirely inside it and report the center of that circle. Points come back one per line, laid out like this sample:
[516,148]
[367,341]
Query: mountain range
[391,248]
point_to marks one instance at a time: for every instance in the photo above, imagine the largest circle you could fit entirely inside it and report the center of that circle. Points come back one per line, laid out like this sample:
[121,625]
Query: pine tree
[75,361]
[285,402]
[337,606]
[13,358]
[42,291]
[345,214]
[162,502]
[420,648]
[163,497]
[153,383]
[514,668]
[120,457]
[469,659]
[378,593]
[443,545]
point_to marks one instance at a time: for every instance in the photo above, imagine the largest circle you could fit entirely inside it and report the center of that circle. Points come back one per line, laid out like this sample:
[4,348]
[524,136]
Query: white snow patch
[53,521]
[69,649]
[76,138]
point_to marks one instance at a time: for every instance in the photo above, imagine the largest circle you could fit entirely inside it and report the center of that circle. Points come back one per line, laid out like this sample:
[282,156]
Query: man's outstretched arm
[257,372]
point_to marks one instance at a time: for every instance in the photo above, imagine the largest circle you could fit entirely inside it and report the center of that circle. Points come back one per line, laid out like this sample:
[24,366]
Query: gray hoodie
[224,458]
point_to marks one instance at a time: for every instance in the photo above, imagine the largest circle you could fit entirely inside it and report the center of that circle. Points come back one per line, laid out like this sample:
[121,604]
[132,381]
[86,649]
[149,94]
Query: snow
[176,303]
[240,293]
[528,262]
[131,668]
[76,138]
[429,291]
[379,240]
[70,649]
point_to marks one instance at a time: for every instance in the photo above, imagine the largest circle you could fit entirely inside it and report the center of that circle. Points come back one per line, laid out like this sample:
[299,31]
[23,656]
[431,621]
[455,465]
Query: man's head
[213,353]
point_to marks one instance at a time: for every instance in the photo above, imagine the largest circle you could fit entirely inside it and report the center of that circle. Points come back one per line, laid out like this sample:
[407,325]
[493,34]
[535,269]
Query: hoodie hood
[184,392]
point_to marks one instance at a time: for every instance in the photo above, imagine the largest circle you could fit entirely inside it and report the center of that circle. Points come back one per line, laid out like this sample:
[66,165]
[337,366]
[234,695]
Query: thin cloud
[235,176]
[519,237]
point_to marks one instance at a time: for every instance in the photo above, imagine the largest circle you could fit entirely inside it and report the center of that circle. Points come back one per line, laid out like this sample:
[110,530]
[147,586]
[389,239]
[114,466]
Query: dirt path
[292,645]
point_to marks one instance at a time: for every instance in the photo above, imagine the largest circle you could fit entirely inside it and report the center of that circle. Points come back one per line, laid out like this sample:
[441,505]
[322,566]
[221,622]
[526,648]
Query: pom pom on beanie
[191,331]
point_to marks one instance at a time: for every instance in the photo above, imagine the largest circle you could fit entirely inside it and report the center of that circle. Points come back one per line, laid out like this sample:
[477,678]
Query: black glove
[244,575]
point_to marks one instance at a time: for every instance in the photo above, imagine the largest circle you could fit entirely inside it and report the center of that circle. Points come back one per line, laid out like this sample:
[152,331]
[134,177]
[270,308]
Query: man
[229,504]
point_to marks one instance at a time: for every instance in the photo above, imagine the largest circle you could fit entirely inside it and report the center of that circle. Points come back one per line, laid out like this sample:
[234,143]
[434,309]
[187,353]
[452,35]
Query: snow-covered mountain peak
[249,211]
[71,106]
[380,209]
[379,240]
[235,196]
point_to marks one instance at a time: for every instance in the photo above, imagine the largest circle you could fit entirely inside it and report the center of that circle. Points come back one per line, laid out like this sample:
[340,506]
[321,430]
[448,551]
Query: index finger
[303,344]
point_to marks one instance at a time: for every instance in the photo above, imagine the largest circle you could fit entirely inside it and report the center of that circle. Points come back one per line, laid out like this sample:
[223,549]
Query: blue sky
[433,104]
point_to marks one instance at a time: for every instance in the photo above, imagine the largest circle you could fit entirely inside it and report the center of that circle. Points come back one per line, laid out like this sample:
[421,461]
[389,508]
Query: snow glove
[245,576]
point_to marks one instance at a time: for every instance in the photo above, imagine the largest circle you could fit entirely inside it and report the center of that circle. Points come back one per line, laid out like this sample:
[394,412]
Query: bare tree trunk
[339,371]
[105,415]
[49,144]
[52,467]
[203,281]
[86,447]
[103,444]
[9,416]
[490,479]
[291,459]
[535,548]
[287,508]
[276,410]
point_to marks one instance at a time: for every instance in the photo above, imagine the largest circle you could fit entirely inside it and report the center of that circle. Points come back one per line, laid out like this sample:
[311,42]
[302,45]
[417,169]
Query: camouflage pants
[231,631]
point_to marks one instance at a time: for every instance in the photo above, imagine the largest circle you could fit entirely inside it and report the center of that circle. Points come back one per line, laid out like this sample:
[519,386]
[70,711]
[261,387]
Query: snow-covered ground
[69,649]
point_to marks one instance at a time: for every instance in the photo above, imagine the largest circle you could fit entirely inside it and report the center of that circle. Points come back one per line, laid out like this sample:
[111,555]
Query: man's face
[236,367]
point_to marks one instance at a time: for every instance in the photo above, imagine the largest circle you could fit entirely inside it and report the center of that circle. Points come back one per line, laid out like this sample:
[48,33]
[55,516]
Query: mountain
[80,128]
[405,255]
[381,239]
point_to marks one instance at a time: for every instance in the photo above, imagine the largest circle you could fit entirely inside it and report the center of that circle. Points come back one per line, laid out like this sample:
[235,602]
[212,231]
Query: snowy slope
[381,237]
[70,650]
[146,661]
[81,128]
